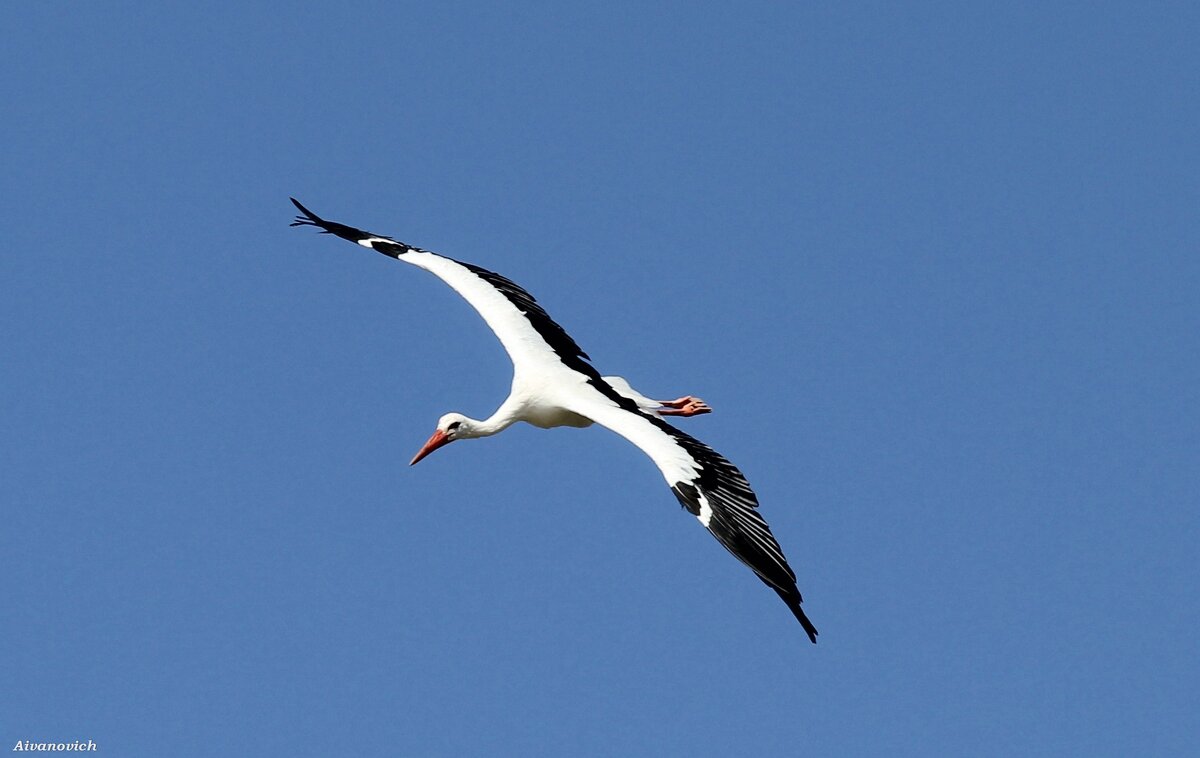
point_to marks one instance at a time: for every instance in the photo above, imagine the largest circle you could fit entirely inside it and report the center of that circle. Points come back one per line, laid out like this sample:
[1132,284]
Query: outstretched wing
[528,334]
[706,484]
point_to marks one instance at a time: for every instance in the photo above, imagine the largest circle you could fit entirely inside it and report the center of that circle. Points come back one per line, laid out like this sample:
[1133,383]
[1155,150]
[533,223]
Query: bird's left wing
[706,484]
[530,337]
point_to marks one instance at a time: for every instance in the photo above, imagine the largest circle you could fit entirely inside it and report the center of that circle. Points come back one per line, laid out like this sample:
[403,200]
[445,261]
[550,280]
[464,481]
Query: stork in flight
[555,385]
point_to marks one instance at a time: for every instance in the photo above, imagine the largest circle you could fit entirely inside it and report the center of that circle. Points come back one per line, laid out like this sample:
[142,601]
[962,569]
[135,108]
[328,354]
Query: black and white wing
[707,485]
[531,338]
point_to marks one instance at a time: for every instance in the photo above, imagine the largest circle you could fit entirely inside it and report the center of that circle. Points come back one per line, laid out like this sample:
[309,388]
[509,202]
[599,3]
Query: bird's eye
[453,425]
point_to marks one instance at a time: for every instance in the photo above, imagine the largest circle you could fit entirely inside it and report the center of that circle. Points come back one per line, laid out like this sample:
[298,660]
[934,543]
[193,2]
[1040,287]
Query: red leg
[684,406]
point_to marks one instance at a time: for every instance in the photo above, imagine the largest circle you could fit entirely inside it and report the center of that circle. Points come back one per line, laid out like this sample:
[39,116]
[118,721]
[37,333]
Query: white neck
[504,417]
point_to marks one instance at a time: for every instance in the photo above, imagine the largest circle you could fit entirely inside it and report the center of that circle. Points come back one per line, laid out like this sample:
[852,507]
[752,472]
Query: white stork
[555,385]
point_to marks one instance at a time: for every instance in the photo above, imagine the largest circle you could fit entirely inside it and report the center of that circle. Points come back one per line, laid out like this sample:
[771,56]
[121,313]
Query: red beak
[438,439]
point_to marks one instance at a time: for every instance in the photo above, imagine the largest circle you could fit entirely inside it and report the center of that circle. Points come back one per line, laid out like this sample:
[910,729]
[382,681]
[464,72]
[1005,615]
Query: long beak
[438,439]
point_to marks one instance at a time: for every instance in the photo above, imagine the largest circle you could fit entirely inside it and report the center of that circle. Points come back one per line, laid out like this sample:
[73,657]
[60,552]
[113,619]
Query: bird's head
[451,427]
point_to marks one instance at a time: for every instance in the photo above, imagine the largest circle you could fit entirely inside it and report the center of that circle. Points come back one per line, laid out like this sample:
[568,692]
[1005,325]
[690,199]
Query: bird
[555,384]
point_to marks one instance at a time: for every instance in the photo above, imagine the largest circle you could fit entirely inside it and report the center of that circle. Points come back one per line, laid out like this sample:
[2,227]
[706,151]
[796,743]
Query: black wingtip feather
[327,227]
[793,603]
[308,219]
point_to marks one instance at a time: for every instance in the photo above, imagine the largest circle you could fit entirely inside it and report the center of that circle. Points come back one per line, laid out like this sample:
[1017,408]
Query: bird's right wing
[706,484]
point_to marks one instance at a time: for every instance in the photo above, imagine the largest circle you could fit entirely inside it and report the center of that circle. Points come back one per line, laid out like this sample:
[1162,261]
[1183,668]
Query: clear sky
[934,265]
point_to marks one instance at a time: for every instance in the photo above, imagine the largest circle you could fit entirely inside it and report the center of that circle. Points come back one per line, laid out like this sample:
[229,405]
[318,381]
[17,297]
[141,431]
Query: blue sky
[934,266]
